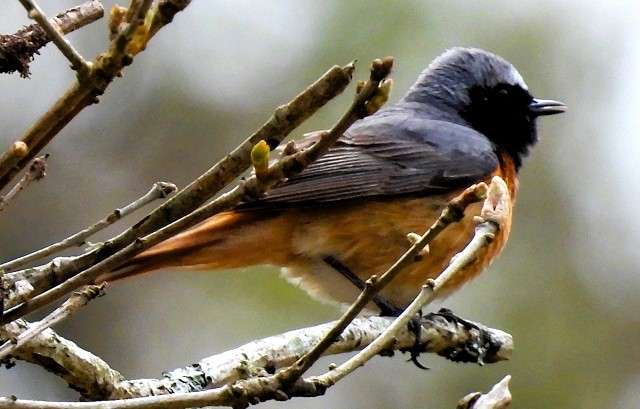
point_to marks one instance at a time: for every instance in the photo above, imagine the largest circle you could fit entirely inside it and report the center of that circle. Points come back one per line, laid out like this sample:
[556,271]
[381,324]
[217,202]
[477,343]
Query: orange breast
[466,228]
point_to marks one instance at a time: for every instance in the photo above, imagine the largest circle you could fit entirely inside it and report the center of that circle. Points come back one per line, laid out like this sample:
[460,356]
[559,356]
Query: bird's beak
[541,107]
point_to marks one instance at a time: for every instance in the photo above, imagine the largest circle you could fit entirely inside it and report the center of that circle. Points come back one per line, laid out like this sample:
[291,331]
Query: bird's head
[486,92]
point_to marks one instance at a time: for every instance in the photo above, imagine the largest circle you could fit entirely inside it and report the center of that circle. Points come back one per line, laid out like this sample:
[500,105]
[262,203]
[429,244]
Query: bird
[467,118]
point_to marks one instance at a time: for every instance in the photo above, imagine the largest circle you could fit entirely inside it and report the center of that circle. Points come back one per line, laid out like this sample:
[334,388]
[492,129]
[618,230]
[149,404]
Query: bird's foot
[415,327]
[387,309]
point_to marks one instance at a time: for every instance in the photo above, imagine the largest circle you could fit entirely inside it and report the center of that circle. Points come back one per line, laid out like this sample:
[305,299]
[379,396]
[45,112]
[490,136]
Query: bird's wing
[387,155]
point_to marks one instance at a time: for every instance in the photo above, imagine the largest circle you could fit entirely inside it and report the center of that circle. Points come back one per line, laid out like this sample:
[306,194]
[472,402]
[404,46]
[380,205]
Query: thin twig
[55,34]
[158,191]
[249,188]
[282,122]
[488,225]
[78,300]
[37,170]
[453,212]
[81,94]
[17,50]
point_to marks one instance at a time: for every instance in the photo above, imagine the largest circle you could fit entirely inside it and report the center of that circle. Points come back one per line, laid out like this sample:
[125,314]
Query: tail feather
[227,240]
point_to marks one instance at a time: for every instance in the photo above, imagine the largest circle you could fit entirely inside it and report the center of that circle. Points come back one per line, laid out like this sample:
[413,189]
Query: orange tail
[227,240]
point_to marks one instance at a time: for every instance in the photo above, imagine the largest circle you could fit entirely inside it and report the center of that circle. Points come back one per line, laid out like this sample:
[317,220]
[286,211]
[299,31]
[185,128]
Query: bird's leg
[387,309]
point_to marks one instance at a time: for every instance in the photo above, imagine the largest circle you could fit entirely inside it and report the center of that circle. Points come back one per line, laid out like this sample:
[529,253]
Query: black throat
[499,112]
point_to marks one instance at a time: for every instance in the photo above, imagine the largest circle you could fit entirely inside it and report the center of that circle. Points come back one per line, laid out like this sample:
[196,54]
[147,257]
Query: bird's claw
[415,327]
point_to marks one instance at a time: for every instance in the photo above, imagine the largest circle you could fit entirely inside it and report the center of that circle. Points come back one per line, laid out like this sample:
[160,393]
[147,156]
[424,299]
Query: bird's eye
[503,93]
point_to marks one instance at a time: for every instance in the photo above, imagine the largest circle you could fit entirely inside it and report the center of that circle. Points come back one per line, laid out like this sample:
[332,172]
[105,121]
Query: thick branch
[284,120]
[17,50]
[441,334]
[83,371]
[159,190]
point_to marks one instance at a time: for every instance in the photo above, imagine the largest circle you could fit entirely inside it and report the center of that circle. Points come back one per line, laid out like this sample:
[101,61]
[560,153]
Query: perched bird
[468,117]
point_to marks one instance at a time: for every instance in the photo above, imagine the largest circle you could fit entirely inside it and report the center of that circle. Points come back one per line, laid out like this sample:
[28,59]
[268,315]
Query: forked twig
[87,88]
[158,191]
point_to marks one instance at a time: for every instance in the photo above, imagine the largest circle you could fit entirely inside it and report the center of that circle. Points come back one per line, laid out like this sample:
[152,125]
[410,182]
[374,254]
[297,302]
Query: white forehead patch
[517,78]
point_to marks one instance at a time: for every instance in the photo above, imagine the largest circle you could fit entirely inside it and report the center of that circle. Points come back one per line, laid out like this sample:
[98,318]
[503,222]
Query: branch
[55,34]
[442,334]
[83,371]
[17,50]
[283,121]
[499,397]
[86,89]
[249,188]
[78,300]
[36,171]
[159,190]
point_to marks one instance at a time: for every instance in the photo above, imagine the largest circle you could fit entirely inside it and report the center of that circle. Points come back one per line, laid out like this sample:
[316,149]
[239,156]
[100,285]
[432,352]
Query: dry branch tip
[499,397]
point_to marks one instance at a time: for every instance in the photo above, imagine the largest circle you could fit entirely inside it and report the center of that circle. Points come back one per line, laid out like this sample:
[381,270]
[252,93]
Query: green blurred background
[566,286]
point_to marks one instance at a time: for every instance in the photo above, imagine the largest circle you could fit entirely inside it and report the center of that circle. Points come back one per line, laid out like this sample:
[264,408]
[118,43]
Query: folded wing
[386,155]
